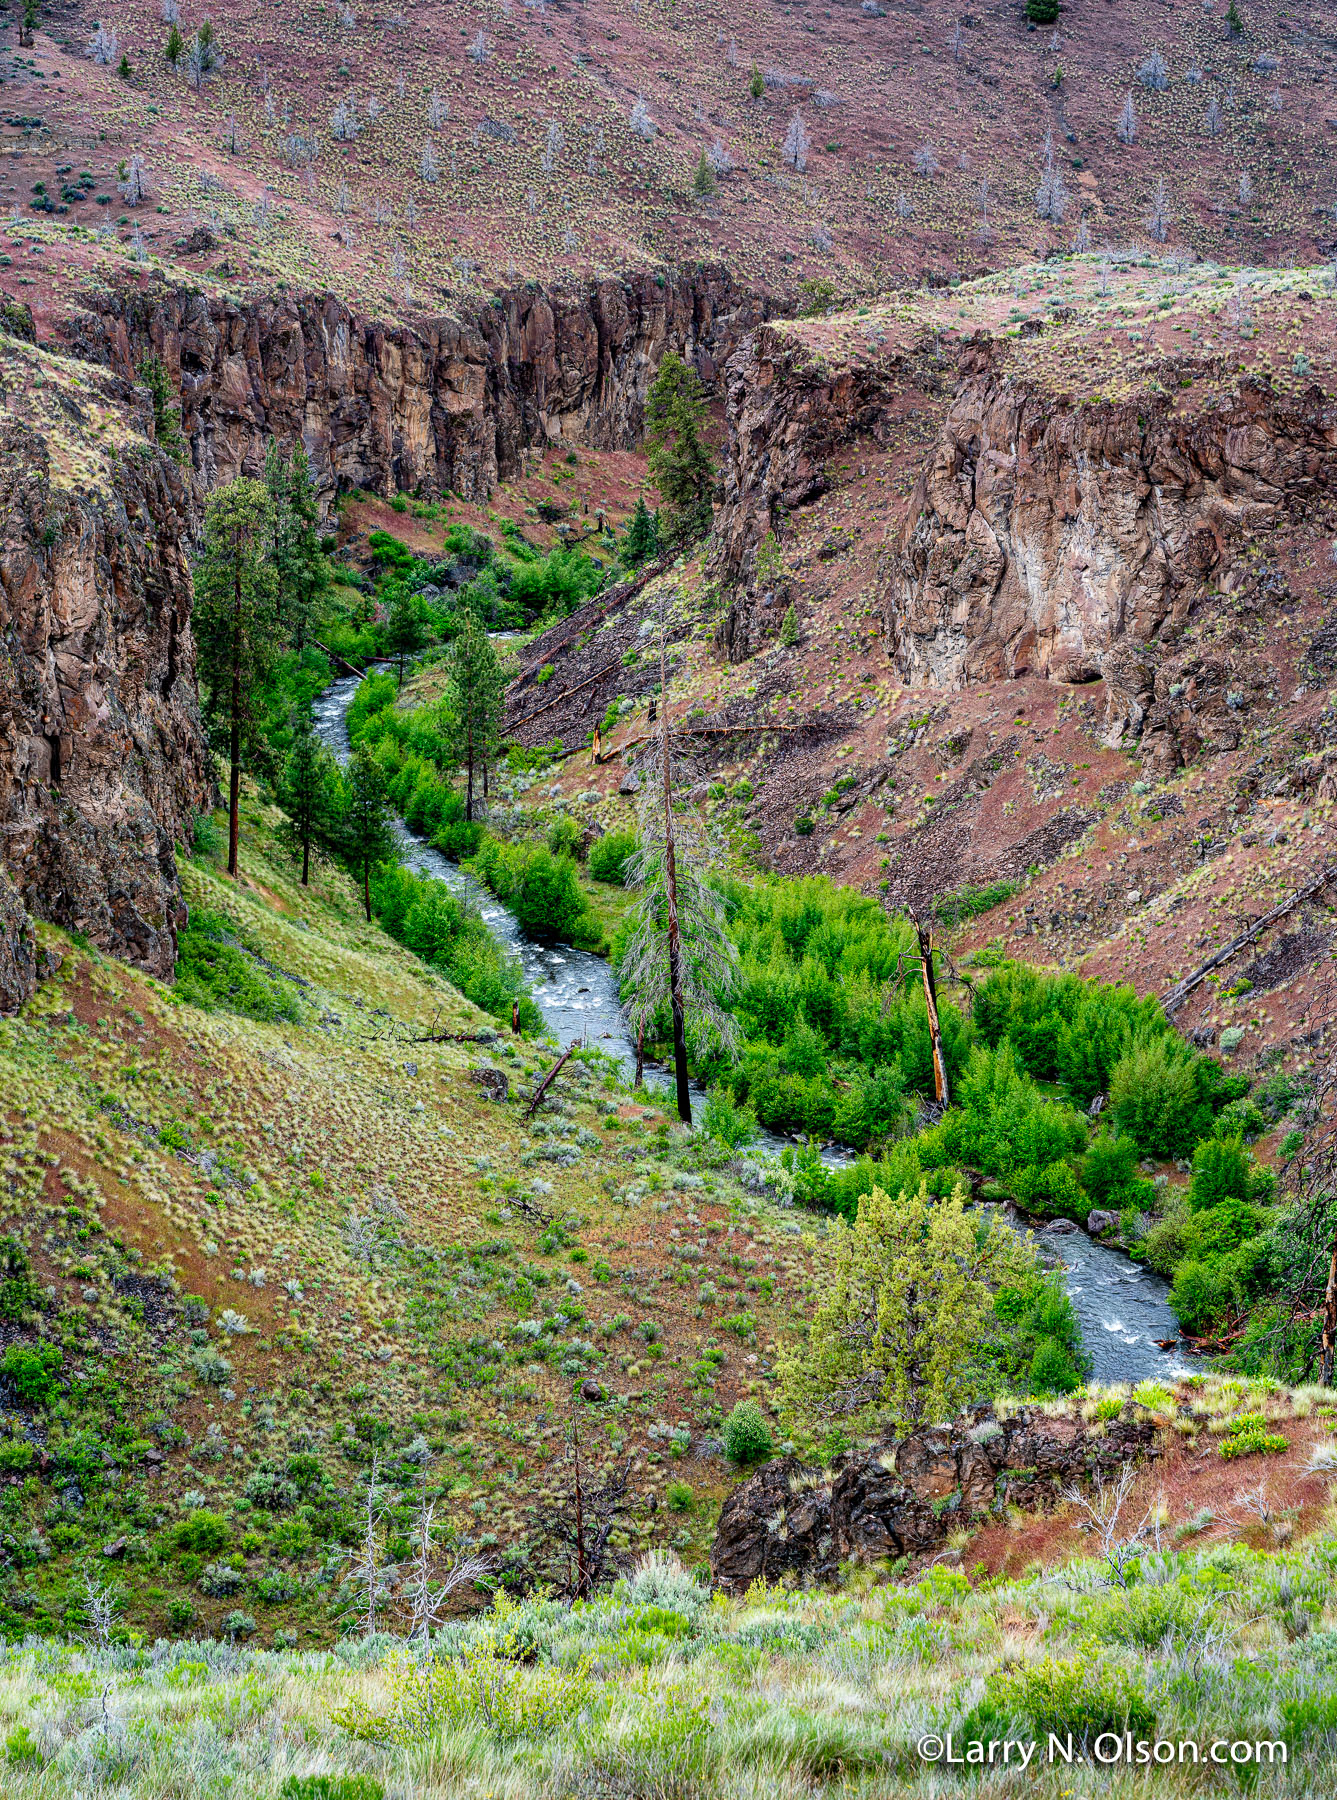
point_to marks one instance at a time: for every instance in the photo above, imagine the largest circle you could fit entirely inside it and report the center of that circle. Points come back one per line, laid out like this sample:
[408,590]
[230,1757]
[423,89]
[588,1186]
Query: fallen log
[1175,997]
[565,694]
[547,1081]
[342,661]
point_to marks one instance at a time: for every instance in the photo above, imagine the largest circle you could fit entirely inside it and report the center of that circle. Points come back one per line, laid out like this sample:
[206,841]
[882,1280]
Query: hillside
[408,162]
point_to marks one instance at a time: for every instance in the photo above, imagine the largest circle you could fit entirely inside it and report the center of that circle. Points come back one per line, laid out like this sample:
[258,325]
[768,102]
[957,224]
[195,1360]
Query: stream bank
[1123,1308]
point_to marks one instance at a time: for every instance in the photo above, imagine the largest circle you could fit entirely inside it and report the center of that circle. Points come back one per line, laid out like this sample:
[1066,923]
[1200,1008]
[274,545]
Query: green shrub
[679,1497]
[1072,1699]
[1224,1170]
[563,836]
[1053,1370]
[16,1455]
[19,1293]
[1110,1175]
[541,890]
[21,1748]
[732,1125]
[31,1371]
[202,1531]
[609,856]
[216,967]
[1247,1434]
[332,1787]
[745,1434]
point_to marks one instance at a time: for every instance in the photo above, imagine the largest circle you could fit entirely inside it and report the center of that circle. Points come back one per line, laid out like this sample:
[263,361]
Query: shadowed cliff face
[444,405]
[102,760]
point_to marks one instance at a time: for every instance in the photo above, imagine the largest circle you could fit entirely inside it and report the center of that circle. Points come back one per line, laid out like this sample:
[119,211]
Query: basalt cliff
[102,759]
[444,404]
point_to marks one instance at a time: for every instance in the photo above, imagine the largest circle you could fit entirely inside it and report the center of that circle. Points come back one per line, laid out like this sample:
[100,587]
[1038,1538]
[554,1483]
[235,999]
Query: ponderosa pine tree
[471,710]
[405,633]
[642,539]
[309,793]
[236,623]
[303,573]
[367,838]
[680,462]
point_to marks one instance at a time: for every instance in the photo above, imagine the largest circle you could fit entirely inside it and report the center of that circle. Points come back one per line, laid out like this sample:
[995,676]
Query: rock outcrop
[788,414]
[905,1498]
[443,404]
[102,759]
[1072,541]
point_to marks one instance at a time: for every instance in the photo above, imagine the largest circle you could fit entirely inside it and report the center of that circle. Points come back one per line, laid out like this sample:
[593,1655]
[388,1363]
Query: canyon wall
[440,405]
[102,760]
[1045,537]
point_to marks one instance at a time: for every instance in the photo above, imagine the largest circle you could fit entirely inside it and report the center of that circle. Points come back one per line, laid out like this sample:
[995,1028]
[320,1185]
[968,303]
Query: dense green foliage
[428,919]
[217,967]
[682,466]
[609,855]
[541,889]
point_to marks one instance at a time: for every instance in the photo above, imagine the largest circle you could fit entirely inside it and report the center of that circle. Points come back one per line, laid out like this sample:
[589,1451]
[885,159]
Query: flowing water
[1123,1308]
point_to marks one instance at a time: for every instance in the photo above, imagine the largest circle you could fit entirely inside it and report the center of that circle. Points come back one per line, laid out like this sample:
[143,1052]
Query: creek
[1123,1307]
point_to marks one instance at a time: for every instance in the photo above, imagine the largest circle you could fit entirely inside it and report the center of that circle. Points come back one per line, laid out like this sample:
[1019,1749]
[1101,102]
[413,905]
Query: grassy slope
[312,1123]
[1225,1630]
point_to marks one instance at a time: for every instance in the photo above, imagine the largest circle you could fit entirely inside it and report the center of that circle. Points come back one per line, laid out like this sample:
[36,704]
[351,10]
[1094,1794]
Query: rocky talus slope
[102,759]
[447,404]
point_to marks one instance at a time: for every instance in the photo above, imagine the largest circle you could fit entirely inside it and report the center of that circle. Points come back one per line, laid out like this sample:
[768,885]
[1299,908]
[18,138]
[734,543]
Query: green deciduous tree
[366,836]
[906,1308]
[236,622]
[471,711]
[309,793]
[680,462]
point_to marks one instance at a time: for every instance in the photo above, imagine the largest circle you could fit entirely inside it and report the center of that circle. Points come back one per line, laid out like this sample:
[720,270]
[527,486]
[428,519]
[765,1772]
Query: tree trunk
[1329,1320]
[306,857]
[674,943]
[469,765]
[925,936]
[366,888]
[582,1573]
[234,743]
[640,1055]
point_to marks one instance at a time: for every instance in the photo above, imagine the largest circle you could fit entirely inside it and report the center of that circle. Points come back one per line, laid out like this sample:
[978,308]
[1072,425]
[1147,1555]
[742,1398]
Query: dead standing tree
[582,1525]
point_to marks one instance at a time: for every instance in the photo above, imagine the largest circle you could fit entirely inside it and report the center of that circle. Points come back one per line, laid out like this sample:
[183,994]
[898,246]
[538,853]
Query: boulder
[905,1497]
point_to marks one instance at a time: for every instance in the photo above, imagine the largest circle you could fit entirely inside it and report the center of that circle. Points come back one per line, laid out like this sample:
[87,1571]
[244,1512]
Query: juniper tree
[236,623]
[703,181]
[680,463]
[720,160]
[428,167]
[1153,74]
[678,958]
[1213,120]
[478,49]
[926,160]
[901,1331]
[797,144]
[166,412]
[365,833]
[438,111]
[1126,125]
[309,793]
[470,714]
[756,84]
[27,24]
[640,121]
